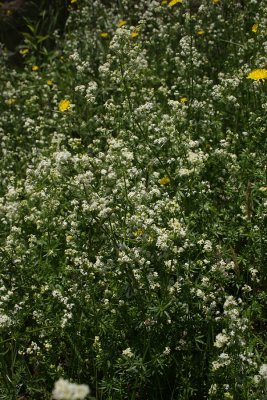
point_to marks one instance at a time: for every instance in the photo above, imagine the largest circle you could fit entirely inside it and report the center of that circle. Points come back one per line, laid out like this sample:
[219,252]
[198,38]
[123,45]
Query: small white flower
[127,352]
[213,389]
[207,246]
[263,371]
[257,379]
[5,320]
[167,351]
[247,288]
[221,340]
[64,390]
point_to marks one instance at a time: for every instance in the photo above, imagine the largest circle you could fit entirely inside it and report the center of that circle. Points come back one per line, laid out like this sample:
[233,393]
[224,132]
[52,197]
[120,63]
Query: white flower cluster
[221,340]
[128,353]
[263,371]
[5,320]
[65,390]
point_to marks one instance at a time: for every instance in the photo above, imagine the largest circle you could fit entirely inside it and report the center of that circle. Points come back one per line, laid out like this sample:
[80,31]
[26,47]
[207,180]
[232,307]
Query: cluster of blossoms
[65,390]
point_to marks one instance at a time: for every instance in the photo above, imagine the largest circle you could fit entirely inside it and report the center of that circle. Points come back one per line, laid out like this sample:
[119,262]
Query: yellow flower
[216,1]
[64,105]
[255,28]
[10,102]
[164,181]
[104,35]
[139,232]
[49,82]
[173,2]
[134,34]
[24,51]
[183,99]
[164,2]
[35,68]
[200,32]
[121,24]
[258,74]
[263,189]
[73,1]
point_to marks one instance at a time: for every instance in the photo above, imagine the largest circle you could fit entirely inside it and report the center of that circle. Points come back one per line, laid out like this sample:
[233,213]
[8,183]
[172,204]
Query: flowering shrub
[133,206]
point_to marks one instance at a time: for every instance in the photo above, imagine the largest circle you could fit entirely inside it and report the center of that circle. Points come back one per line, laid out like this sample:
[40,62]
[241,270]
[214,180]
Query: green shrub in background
[133,205]
[31,23]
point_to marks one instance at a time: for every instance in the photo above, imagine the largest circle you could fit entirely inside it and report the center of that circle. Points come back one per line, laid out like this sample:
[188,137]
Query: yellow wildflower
[173,2]
[134,34]
[258,74]
[64,105]
[104,35]
[121,23]
[216,1]
[184,99]
[255,28]
[24,51]
[35,68]
[69,238]
[49,82]
[200,32]
[10,102]
[164,2]
[164,181]
[73,1]
[139,232]
[263,189]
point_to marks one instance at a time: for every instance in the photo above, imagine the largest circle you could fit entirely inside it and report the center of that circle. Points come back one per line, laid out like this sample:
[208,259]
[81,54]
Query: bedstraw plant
[133,205]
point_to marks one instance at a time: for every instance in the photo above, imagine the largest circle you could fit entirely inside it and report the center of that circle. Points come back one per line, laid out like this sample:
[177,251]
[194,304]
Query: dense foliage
[133,204]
